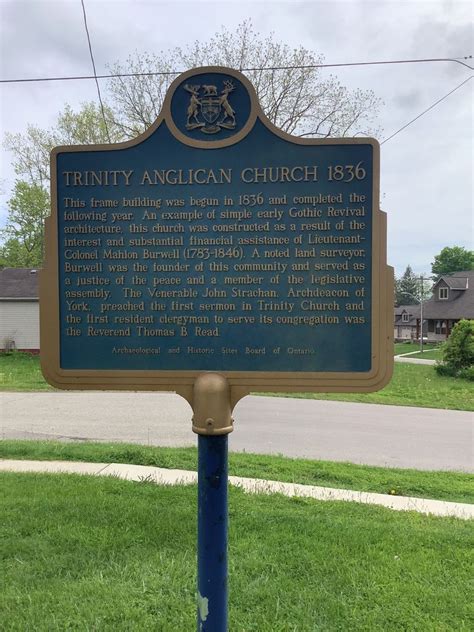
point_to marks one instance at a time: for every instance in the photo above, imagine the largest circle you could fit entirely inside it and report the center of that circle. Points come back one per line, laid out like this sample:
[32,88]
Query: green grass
[401,347]
[21,372]
[430,351]
[411,385]
[408,347]
[83,553]
[451,486]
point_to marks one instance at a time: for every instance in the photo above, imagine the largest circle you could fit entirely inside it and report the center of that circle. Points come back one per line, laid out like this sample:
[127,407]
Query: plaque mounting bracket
[212,406]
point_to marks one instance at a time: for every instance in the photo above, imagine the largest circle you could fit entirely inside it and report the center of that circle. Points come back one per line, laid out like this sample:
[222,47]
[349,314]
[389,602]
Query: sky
[426,169]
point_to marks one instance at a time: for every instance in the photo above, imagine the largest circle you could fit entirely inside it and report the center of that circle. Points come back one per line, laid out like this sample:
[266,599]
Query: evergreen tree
[408,288]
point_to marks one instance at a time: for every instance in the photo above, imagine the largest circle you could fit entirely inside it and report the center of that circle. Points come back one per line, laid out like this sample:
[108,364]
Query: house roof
[19,284]
[458,305]
[455,282]
[413,310]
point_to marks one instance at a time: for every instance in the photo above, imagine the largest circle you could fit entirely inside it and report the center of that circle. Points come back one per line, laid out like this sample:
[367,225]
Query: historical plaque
[217,242]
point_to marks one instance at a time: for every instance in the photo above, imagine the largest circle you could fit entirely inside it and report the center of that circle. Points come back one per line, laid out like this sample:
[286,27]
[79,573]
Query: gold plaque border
[241,382]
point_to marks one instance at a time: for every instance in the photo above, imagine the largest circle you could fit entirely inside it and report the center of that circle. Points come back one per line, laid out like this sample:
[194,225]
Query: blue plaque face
[215,242]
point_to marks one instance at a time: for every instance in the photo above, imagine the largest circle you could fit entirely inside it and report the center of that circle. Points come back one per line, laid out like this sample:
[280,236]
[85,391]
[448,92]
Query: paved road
[360,433]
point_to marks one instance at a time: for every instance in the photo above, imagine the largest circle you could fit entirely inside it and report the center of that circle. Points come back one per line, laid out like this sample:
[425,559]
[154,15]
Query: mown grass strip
[83,553]
[452,486]
[411,385]
[408,347]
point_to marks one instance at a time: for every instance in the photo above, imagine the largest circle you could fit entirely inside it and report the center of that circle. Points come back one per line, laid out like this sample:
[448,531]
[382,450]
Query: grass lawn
[411,385]
[83,553]
[21,372]
[408,347]
[430,351]
[451,486]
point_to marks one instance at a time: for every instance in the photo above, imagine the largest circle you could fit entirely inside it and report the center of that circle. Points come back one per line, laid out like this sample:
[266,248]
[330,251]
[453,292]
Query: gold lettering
[146,178]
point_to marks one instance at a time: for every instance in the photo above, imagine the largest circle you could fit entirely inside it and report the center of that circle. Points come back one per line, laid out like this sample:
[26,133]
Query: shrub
[444,369]
[458,351]
[467,374]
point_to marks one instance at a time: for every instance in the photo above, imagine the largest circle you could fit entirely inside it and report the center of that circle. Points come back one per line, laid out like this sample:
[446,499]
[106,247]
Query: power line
[95,72]
[428,109]
[95,76]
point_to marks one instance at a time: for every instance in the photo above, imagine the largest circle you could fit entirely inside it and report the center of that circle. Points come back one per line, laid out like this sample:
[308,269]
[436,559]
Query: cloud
[443,39]
[409,99]
[35,42]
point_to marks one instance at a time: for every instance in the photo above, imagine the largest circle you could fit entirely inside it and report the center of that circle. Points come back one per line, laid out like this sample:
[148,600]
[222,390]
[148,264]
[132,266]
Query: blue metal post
[212,533]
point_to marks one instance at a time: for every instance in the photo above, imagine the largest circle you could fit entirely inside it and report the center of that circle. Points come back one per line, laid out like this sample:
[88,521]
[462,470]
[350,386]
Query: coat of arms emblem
[208,110]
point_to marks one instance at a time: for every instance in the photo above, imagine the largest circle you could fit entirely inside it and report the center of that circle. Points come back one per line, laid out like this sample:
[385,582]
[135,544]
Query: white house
[19,309]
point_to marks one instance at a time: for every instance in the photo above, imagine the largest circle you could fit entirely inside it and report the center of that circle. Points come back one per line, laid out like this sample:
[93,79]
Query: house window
[405,318]
[443,293]
[440,327]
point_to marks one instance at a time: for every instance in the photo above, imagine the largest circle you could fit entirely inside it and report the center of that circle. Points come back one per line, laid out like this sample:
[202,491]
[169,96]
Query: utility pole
[421,313]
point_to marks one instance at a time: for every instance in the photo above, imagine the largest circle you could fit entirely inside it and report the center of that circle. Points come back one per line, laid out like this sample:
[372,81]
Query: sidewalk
[163,476]
[405,357]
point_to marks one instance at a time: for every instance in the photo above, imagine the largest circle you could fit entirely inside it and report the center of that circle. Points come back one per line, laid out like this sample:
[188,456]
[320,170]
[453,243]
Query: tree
[298,100]
[23,233]
[452,259]
[31,150]
[407,288]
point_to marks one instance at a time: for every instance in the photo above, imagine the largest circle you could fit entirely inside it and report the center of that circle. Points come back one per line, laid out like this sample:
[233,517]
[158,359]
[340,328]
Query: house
[452,301]
[406,323]
[19,309]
